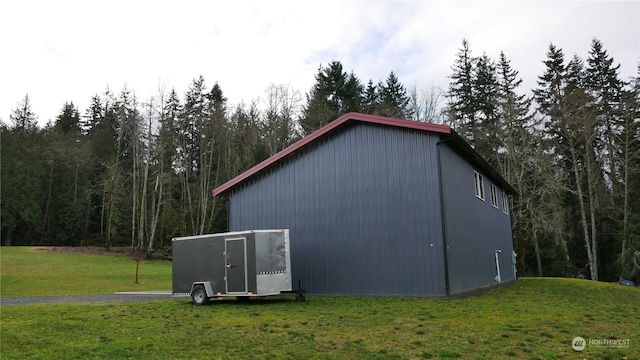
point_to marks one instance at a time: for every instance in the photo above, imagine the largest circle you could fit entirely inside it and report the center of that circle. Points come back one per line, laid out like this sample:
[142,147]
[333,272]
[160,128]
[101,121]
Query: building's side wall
[363,209]
[474,229]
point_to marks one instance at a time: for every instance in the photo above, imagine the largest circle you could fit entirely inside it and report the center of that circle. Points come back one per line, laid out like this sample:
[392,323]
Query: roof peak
[321,133]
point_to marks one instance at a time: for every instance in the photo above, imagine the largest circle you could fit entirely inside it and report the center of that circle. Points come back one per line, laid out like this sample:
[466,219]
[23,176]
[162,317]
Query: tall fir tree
[334,93]
[23,118]
[486,138]
[570,124]
[548,95]
[393,96]
[461,103]
[371,99]
[22,172]
[68,121]
[604,85]
[628,263]
[513,109]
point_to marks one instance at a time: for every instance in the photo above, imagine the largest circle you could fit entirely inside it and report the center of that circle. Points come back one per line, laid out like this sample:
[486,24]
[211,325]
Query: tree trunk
[536,246]
[583,218]
[154,221]
[145,180]
[103,210]
[46,221]
[7,239]
[134,201]
[625,207]
[592,214]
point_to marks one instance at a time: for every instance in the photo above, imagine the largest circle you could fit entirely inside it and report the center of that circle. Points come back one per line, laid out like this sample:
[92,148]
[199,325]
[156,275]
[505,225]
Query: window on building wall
[494,196]
[505,203]
[479,183]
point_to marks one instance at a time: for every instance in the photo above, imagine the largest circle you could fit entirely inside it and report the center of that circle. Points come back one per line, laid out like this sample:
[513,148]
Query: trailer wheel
[199,295]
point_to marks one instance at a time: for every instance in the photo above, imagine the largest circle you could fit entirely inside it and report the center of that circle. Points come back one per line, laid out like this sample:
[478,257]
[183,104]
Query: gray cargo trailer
[242,264]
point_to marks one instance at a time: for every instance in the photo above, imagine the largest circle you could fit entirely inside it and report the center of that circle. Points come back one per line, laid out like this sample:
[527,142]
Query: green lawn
[530,319]
[25,272]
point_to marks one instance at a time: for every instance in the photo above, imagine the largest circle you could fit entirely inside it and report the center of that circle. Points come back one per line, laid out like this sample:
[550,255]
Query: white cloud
[70,50]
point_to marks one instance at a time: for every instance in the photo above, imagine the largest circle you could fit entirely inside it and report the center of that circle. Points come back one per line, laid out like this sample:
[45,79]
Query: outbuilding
[381,206]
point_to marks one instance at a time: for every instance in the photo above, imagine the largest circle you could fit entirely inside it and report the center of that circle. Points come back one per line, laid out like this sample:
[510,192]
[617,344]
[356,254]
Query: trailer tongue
[241,264]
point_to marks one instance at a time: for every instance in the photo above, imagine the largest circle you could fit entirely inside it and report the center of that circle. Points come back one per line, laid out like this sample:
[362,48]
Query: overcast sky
[58,51]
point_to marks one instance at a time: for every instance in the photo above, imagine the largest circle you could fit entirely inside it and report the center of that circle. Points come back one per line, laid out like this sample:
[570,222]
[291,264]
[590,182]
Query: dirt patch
[160,254]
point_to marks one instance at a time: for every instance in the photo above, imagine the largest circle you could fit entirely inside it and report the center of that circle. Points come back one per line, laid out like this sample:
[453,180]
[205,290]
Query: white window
[494,196]
[505,203]
[479,183]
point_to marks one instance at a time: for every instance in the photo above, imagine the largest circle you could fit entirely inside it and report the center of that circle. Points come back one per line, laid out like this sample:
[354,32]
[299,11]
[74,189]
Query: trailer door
[236,265]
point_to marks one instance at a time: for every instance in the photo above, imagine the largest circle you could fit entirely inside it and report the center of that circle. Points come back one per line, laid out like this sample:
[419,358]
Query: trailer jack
[299,293]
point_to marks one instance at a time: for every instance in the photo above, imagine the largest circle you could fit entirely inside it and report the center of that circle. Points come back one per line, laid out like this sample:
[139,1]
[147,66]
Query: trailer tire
[199,295]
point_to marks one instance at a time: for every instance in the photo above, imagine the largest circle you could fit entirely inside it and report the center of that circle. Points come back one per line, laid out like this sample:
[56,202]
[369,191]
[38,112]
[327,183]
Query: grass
[26,272]
[530,319]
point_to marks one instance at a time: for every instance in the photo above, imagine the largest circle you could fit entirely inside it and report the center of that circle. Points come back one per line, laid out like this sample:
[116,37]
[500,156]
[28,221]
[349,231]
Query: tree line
[572,151]
[134,172]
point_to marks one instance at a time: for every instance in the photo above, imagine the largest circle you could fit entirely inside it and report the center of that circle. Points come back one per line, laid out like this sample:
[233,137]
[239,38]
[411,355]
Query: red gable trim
[330,127]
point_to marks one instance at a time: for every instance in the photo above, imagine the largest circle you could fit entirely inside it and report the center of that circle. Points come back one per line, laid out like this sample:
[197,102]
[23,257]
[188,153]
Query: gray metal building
[381,206]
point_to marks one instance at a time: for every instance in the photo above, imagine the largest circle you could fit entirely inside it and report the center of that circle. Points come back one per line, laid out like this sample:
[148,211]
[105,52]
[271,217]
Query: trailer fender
[208,287]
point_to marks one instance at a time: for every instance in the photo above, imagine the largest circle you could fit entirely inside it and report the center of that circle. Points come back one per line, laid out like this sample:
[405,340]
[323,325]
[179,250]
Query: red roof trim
[330,127]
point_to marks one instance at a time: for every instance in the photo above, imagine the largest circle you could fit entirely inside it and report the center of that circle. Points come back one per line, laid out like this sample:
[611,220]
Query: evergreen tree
[189,126]
[217,103]
[570,123]
[167,158]
[68,166]
[334,93]
[93,116]
[606,88]
[486,136]
[629,143]
[23,118]
[169,122]
[394,100]
[100,125]
[245,142]
[127,125]
[522,161]
[548,95]
[22,173]
[68,122]
[513,108]
[213,161]
[352,94]
[461,104]
[371,100]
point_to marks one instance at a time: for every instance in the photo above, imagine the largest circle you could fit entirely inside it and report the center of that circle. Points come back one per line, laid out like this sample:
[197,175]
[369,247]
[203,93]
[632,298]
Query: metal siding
[363,209]
[474,229]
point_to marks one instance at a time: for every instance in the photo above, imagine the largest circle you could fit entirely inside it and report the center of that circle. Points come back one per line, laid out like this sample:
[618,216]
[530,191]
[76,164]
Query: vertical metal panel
[473,228]
[362,207]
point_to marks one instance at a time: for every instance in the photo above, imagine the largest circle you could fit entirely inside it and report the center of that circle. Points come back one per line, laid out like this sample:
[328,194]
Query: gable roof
[444,130]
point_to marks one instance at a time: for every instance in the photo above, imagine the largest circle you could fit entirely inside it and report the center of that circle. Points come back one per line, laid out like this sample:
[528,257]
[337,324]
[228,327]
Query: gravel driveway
[117,298]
